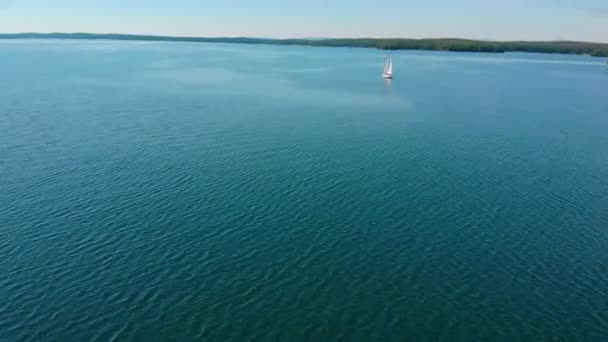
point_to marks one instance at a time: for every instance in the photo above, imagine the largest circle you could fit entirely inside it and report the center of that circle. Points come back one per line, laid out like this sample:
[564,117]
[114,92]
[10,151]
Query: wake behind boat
[388,68]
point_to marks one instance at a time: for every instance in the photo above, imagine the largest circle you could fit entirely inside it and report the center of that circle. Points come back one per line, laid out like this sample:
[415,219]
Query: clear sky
[483,19]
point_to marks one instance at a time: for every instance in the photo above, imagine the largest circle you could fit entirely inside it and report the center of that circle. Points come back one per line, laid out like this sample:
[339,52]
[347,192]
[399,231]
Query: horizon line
[299,38]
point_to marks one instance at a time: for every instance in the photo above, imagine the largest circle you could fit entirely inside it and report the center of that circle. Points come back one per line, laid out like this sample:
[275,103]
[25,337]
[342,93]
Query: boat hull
[387,76]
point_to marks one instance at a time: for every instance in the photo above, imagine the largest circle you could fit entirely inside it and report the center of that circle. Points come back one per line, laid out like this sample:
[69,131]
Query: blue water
[177,191]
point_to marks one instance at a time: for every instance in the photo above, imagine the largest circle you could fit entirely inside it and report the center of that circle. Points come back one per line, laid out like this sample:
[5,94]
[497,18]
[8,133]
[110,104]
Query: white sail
[385,65]
[388,68]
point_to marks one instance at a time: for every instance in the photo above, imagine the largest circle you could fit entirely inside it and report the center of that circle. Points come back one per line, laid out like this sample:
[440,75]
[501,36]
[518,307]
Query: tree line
[441,44]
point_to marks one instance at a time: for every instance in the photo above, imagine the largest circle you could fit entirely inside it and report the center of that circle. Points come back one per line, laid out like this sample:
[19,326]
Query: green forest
[447,44]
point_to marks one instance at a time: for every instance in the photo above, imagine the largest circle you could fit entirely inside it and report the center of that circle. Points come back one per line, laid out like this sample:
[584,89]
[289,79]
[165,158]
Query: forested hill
[448,44]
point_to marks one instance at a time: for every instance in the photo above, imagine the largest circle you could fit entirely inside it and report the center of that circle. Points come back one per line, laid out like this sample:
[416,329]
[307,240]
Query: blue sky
[483,19]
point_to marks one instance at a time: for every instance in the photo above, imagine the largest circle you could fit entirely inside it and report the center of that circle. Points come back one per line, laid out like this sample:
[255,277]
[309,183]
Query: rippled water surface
[176,191]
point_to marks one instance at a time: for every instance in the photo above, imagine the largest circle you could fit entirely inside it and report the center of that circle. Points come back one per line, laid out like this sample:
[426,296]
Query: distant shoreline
[438,44]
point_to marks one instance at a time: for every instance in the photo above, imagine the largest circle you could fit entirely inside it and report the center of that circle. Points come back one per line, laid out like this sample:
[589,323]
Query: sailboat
[388,68]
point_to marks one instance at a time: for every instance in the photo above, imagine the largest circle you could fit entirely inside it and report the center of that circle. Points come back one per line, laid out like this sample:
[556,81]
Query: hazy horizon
[304,38]
[585,20]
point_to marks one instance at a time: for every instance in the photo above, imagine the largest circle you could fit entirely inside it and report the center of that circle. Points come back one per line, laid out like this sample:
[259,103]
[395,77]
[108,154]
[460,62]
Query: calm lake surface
[178,191]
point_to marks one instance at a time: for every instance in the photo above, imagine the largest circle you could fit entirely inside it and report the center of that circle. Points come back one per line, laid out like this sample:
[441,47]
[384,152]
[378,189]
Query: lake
[217,192]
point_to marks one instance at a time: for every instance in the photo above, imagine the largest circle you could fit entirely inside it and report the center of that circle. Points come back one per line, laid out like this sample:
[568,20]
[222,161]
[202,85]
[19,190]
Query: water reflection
[387,84]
